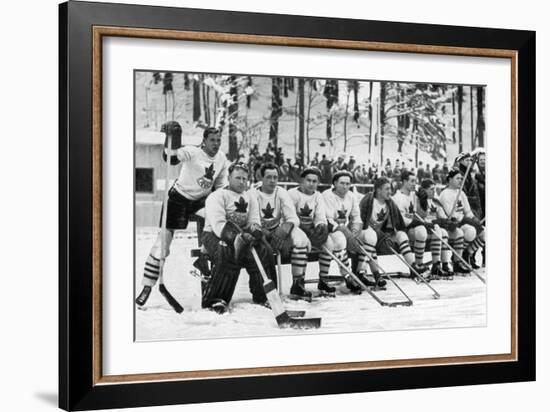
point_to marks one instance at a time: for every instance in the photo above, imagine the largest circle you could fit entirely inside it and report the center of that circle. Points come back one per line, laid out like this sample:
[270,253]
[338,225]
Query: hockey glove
[353,244]
[319,235]
[280,238]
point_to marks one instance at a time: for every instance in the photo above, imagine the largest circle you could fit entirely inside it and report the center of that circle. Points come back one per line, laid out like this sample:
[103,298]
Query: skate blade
[323,294]
[377,288]
[197,274]
[308,299]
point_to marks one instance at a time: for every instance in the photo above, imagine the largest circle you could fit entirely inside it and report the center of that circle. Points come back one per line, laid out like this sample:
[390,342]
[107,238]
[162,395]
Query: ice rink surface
[462,302]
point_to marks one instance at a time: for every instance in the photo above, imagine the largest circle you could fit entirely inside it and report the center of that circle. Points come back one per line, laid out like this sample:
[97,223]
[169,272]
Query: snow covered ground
[462,303]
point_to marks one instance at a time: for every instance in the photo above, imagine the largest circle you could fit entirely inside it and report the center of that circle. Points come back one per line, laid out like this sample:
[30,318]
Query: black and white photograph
[300,205]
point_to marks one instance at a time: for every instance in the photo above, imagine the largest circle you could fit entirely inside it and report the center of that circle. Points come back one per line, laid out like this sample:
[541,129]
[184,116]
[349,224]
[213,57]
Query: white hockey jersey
[406,205]
[342,211]
[200,173]
[275,208]
[430,214]
[309,208]
[226,205]
[447,198]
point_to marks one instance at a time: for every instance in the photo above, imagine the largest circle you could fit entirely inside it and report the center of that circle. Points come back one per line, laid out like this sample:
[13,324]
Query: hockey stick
[436,294]
[461,187]
[279,274]
[162,288]
[409,301]
[283,318]
[470,268]
[356,279]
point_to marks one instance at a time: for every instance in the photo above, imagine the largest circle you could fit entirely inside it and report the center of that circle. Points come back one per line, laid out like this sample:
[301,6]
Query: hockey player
[203,169]
[280,223]
[426,208]
[379,212]
[462,162]
[405,199]
[461,217]
[342,209]
[232,227]
[313,222]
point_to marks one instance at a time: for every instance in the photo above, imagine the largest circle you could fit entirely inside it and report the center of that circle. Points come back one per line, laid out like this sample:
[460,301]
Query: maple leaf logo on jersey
[206,181]
[411,208]
[241,205]
[268,211]
[305,211]
[381,215]
[433,210]
[209,172]
[459,204]
[342,213]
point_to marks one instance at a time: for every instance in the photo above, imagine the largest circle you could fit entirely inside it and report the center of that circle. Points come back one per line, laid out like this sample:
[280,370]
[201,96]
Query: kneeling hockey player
[232,227]
[426,208]
[455,208]
[203,169]
[343,217]
[379,212]
[280,223]
[310,208]
[405,199]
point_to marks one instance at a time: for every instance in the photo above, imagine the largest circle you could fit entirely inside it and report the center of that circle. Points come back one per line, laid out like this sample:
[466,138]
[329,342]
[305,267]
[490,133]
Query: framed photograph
[257,206]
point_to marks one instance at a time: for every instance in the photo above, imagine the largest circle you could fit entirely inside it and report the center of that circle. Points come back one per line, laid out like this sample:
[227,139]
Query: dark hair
[427,183]
[238,165]
[268,166]
[340,174]
[452,173]
[311,171]
[405,175]
[208,131]
[381,181]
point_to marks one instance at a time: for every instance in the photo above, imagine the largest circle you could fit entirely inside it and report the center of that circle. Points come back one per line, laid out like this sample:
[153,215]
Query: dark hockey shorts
[179,210]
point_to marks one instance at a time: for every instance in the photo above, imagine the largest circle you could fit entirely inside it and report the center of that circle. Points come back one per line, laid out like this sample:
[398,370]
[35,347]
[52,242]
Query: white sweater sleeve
[184,154]
[253,210]
[355,216]
[215,212]
[288,209]
[320,212]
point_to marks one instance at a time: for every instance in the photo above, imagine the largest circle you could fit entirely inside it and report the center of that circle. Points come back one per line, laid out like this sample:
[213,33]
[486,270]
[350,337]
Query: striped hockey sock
[151,271]
[457,244]
[475,245]
[419,247]
[343,255]
[435,248]
[405,250]
[298,259]
[371,250]
[445,251]
[324,264]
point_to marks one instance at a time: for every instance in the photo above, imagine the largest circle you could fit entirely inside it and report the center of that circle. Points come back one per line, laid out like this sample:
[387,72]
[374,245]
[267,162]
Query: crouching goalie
[232,227]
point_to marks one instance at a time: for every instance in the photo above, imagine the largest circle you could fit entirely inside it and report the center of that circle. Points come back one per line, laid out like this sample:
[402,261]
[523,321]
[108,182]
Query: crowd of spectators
[365,173]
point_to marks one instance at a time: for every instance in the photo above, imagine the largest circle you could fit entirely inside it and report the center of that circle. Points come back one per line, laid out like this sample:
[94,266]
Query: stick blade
[170,299]
[286,321]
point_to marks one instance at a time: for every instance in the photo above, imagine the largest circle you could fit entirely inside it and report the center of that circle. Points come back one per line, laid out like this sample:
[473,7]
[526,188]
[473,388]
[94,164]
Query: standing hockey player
[280,223]
[313,222]
[203,169]
[461,217]
[426,208]
[342,209]
[228,248]
[405,200]
[379,212]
